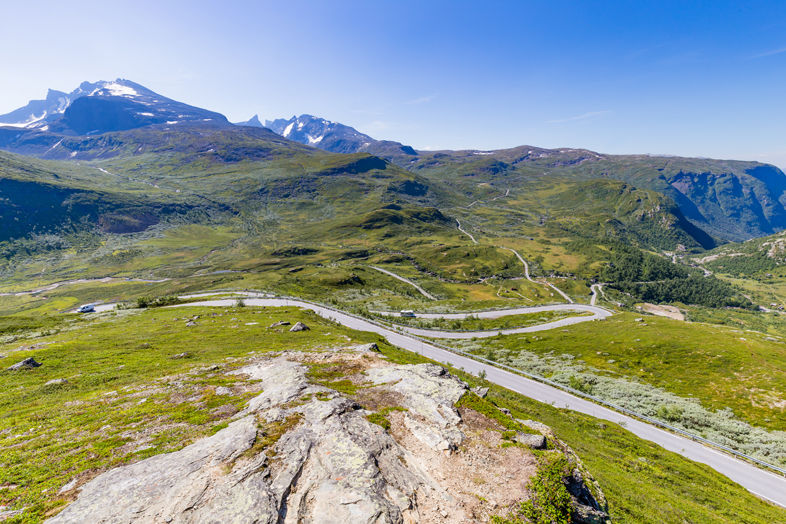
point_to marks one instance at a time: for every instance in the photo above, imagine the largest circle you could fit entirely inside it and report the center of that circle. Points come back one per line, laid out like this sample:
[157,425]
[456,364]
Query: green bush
[148,302]
[549,501]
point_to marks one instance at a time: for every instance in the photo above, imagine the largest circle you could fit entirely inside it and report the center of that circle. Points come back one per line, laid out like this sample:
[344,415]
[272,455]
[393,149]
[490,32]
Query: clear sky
[683,78]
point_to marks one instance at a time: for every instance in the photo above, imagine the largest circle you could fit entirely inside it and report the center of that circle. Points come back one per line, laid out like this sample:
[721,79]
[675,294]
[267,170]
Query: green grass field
[131,393]
[721,366]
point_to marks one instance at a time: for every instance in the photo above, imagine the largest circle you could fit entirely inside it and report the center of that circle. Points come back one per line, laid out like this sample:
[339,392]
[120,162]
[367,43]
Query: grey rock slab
[480,391]
[332,465]
[165,487]
[531,440]
[28,363]
[428,390]
[366,348]
[282,380]
[348,469]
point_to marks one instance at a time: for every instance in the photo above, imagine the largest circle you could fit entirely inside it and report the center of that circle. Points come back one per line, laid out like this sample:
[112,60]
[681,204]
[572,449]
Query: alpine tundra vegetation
[206,317]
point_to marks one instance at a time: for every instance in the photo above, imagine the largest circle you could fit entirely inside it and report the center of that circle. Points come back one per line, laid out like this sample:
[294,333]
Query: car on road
[87,308]
[407,313]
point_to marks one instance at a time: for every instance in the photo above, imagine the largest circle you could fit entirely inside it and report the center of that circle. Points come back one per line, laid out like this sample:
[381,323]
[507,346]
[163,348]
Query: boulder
[28,363]
[534,441]
[586,510]
[56,382]
[279,323]
[184,354]
[299,326]
[367,348]
[480,391]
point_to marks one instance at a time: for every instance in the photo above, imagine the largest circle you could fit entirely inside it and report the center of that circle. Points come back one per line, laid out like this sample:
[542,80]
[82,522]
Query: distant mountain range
[333,136]
[731,200]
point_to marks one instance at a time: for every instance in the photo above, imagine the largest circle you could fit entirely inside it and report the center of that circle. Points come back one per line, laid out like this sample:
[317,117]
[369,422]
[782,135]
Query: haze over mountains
[730,200]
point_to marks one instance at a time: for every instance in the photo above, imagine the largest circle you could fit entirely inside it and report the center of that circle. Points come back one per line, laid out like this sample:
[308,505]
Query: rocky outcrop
[299,326]
[428,393]
[28,363]
[302,452]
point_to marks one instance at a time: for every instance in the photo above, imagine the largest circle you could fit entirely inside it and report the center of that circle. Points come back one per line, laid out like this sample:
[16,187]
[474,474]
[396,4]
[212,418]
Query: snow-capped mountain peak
[334,136]
[102,106]
[319,132]
[38,112]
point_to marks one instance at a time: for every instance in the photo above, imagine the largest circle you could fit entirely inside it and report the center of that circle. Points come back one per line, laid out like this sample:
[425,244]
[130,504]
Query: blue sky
[683,78]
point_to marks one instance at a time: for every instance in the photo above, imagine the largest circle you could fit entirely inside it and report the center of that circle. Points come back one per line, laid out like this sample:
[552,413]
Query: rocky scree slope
[302,452]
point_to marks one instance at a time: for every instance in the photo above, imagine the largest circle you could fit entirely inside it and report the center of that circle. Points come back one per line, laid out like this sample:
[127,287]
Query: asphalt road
[408,281]
[595,288]
[598,313]
[549,284]
[758,481]
[465,232]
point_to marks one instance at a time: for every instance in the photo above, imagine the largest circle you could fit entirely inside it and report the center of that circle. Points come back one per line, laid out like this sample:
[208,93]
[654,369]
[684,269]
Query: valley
[509,264]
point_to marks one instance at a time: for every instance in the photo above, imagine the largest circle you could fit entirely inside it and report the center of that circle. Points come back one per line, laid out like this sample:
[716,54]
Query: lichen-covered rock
[429,393]
[428,390]
[301,452]
[167,487]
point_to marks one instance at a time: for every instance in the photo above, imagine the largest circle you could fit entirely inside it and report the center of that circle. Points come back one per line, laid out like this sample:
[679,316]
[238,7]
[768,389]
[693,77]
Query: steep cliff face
[392,446]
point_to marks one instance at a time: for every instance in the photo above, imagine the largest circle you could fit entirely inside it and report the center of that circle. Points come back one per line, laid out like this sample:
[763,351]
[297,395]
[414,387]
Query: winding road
[596,288]
[598,313]
[758,481]
[408,281]
[543,283]
[465,232]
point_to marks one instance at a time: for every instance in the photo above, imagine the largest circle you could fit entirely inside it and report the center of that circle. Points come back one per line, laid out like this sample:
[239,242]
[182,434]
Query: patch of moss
[379,419]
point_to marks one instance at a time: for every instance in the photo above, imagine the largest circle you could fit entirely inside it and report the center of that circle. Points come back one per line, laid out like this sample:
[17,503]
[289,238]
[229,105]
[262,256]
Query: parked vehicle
[87,308]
